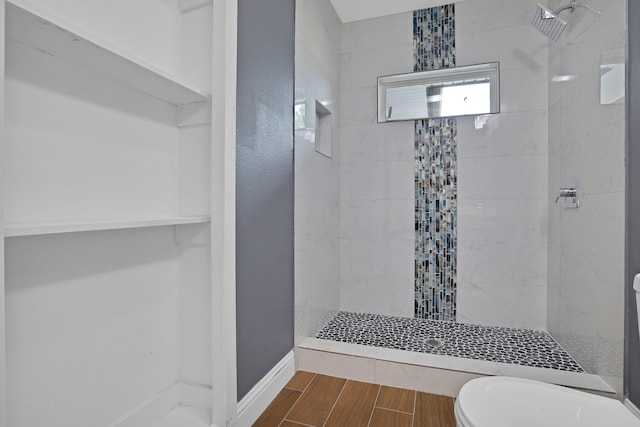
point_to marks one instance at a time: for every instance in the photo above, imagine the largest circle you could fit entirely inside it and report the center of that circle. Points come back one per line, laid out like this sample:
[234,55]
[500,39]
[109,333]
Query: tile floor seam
[335,403]
[315,374]
[415,401]
[296,422]
[298,399]
[393,410]
[374,405]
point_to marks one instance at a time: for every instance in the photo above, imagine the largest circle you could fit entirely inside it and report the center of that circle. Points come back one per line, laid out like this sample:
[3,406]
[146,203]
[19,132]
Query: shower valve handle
[567,193]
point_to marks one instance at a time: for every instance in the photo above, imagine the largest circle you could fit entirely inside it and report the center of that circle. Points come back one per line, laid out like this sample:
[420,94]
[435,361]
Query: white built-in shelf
[35,29]
[34,229]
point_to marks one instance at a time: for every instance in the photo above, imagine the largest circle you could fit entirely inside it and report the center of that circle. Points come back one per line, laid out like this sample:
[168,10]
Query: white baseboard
[632,408]
[179,394]
[261,395]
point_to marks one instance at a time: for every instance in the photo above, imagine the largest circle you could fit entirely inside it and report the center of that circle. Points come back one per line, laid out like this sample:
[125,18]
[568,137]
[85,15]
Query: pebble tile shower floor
[496,344]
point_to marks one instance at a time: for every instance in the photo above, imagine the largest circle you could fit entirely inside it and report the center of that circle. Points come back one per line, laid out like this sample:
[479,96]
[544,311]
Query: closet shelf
[33,229]
[34,29]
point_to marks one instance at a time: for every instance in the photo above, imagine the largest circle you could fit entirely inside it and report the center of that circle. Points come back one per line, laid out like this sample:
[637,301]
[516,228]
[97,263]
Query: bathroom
[522,257]
[191,197]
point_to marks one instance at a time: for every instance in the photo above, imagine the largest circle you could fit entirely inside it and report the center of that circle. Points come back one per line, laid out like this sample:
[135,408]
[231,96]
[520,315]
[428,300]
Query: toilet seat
[508,402]
[461,419]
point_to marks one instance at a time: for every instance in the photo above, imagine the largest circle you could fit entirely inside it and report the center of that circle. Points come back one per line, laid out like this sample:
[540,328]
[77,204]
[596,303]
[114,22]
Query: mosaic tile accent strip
[434,44]
[435,176]
[495,344]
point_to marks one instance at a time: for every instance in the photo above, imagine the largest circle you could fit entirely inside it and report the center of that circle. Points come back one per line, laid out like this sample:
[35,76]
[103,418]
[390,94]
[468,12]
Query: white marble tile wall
[503,191]
[376,172]
[502,171]
[317,214]
[586,245]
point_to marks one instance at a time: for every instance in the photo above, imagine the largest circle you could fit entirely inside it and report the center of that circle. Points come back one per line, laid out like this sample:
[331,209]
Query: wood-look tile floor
[319,400]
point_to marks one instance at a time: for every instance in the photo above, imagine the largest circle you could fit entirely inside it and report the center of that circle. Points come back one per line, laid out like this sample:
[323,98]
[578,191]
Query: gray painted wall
[632,342]
[264,188]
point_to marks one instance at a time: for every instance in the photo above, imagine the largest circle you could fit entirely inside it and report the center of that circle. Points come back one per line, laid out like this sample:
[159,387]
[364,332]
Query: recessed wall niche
[323,129]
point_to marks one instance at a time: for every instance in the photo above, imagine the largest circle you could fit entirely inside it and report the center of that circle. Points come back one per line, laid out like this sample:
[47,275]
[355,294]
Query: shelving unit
[52,36]
[16,230]
[101,135]
[32,30]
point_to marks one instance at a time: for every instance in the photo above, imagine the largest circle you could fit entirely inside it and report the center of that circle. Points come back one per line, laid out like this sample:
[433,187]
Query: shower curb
[425,372]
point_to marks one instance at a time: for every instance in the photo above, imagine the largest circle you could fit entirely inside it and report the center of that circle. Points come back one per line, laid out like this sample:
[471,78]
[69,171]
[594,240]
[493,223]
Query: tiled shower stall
[456,219]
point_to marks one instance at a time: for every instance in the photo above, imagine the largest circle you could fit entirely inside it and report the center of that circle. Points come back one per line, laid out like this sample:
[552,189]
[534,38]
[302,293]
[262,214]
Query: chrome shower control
[567,192]
[570,195]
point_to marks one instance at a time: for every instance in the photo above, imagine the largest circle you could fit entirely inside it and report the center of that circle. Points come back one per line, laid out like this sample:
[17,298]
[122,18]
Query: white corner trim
[151,411]
[188,5]
[196,396]
[631,407]
[261,395]
[194,114]
[178,394]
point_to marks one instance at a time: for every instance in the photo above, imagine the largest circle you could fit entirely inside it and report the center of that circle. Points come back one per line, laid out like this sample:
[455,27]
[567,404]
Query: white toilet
[509,402]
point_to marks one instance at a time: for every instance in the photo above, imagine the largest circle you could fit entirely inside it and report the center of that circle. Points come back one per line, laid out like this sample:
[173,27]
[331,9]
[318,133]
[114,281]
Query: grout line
[374,405]
[297,423]
[298,399]
[415,403]
[305,387]
[335,403]
[394,410]
[310,381]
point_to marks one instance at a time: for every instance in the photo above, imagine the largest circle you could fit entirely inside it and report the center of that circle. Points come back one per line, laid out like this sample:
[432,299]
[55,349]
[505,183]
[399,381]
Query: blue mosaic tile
[434,38]
[435,176]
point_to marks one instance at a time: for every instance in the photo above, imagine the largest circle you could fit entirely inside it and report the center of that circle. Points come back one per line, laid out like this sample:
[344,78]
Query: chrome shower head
[550,25]
[548,22]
